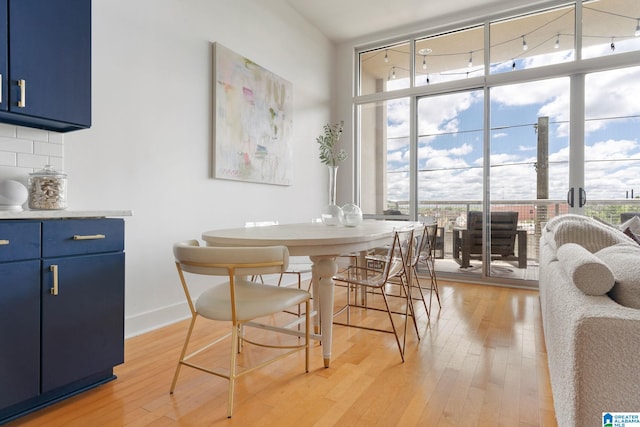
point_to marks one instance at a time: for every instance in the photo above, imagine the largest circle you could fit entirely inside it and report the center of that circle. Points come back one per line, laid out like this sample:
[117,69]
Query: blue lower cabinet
[83,325]
[62,314]
[19,331]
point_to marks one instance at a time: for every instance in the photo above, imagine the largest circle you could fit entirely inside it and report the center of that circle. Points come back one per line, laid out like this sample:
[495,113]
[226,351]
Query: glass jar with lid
[47,189]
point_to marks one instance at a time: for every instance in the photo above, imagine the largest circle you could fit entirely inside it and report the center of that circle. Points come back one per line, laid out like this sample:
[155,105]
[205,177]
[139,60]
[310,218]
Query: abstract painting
[253,121]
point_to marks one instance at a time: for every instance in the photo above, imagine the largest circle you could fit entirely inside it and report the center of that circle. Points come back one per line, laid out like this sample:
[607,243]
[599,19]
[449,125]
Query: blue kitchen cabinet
[46,70]
[72,328]
[19,312]
[4,57]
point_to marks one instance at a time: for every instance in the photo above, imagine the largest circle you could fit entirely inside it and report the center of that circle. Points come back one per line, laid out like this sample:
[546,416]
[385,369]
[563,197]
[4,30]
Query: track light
[637,33]
[470,64]
[524,44]
[557,45]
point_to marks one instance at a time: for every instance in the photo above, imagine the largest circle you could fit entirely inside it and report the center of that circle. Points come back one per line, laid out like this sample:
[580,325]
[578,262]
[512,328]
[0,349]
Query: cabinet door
[4,60]
[19,331]
[50,50]
[82,326]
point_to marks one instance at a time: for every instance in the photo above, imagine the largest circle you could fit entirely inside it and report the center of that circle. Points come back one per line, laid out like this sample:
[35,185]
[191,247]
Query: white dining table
[322,244]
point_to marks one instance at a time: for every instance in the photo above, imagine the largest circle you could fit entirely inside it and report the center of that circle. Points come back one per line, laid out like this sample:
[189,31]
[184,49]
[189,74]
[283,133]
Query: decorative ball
[352,215]
[332,215]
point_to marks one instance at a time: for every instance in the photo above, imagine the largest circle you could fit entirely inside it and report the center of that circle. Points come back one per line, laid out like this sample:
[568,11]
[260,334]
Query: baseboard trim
[155,319]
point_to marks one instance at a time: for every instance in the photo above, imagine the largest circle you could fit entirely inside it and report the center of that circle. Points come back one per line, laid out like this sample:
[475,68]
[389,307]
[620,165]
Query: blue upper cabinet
[46,64]
[4,57]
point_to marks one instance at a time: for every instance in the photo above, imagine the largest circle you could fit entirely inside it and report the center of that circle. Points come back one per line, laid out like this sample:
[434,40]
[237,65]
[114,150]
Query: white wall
[149,147]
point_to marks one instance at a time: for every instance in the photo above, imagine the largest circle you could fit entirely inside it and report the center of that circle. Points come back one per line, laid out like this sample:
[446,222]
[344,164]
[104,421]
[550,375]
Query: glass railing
[532,215]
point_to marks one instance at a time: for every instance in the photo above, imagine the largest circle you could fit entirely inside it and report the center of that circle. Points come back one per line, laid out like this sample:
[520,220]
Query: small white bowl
[12,195]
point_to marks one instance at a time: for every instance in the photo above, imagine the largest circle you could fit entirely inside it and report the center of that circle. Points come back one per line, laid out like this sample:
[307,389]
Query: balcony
[532,215]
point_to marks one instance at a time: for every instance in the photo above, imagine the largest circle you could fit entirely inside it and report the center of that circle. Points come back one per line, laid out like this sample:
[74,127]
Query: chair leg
[424,301]
[393,326]
[232,368]
[434,285]
[307,325]
[410,311]
[183,353]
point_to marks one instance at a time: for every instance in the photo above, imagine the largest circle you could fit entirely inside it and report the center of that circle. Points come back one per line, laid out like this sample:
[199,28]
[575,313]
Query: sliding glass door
[528,169]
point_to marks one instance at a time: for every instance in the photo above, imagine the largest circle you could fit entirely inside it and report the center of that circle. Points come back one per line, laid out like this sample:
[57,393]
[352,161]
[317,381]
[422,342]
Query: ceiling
[342,20]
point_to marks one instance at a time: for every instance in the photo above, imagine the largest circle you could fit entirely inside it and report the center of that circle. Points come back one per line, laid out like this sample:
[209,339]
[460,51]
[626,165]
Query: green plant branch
[329,153]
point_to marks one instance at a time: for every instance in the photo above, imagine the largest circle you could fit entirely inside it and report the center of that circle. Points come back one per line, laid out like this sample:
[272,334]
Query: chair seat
[253,300]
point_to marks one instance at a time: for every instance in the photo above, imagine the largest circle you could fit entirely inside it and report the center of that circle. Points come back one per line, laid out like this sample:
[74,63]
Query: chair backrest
[503,230]
[225,261]
[424,242]
[400,252]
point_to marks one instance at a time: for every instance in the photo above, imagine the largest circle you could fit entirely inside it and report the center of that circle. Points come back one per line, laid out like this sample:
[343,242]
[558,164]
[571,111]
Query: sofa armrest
[592,348]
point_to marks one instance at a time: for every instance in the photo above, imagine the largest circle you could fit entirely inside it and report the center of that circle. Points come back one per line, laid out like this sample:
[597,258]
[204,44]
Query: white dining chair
[238,301]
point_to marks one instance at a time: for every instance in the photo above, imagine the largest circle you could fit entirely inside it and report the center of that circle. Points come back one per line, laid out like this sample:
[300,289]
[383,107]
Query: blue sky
[451,150]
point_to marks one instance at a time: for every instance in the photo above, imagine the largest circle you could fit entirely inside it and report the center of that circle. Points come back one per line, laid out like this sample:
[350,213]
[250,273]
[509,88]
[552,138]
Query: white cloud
[449,173]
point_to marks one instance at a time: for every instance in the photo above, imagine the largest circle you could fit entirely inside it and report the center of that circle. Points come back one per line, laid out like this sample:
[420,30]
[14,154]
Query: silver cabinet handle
[22,102]
[54,270]
[89,237]
[4,242]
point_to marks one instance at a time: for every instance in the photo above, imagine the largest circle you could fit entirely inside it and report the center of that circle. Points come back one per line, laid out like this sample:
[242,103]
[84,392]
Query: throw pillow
[632,235]
[632,224]
[624,261]
[588,272]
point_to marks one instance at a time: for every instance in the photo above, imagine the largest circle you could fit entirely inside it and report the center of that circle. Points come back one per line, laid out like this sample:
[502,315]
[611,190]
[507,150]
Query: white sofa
[593,341]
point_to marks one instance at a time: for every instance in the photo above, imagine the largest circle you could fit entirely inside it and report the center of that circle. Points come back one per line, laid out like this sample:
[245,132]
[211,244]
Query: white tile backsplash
[25,150]
[15,145]
[8,130]
[8,159]
[47,148]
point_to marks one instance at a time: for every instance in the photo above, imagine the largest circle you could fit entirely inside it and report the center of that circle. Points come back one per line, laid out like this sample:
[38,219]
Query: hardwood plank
[481,361]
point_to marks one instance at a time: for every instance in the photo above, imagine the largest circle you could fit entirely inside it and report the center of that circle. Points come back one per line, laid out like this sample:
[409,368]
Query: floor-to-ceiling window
[506,114]
[611,146]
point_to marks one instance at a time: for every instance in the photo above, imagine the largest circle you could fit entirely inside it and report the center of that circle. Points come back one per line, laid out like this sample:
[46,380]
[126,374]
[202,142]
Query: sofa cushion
[589,273]
[591,235]
[554,222]
[624,261]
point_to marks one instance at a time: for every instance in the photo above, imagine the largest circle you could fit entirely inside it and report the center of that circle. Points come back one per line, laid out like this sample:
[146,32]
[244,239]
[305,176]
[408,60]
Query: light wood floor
[481,362]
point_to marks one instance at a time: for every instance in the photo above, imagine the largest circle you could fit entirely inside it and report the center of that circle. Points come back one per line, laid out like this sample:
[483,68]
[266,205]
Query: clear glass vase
[332,213]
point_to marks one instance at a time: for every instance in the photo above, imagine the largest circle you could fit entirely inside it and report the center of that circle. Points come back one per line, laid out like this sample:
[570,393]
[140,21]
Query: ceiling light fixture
[424,52]
[613,45]
[557,45]
[386,56]
[637,33]
[524,44]
[470,64]
[393,72]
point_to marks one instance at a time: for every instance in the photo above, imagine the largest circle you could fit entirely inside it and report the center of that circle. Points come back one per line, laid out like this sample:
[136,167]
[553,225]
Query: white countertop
[60,214]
